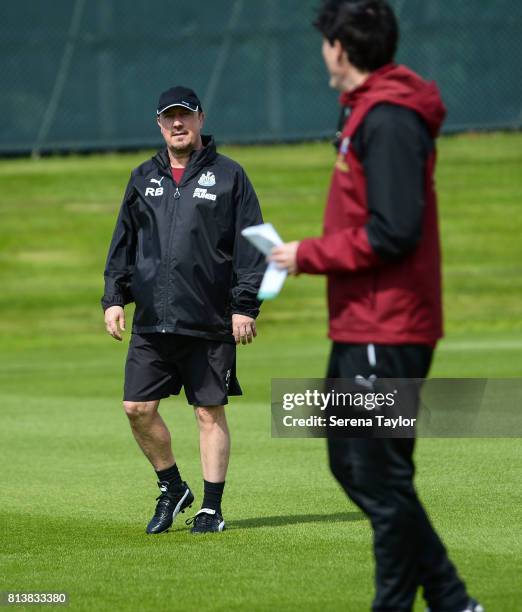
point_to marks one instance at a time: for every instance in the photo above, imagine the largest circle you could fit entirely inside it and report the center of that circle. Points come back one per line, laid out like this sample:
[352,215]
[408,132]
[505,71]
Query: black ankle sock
[212,494]
[170,475]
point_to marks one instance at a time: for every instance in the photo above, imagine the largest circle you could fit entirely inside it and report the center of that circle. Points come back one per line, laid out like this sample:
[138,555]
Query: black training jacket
[177,250]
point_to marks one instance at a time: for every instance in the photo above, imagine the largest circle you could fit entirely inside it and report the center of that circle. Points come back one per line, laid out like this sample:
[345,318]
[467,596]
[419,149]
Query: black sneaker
[171,502]
[206,521]
[473,606]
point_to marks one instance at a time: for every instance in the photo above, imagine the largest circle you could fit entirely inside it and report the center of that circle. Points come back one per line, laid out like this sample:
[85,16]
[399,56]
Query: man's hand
[243,328]
[285,256]
[113,316]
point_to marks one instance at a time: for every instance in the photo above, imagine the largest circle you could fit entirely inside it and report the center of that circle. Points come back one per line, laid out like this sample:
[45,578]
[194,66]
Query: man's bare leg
[151,433]
[214,442]
[214,448]
[153,438]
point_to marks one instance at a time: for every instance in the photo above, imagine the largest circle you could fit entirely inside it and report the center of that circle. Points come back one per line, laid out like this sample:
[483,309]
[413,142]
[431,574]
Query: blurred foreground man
[178,253]
[380,252]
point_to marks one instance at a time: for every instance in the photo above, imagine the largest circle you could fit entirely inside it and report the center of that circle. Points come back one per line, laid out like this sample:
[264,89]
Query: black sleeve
[122,253]
[249,263]
[393,144]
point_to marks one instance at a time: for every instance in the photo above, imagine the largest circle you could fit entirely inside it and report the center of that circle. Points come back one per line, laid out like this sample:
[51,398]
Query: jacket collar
[399,85]
[198,159]
[350,98]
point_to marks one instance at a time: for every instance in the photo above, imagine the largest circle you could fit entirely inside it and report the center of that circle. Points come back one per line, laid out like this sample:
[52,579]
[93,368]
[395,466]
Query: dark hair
[367,30]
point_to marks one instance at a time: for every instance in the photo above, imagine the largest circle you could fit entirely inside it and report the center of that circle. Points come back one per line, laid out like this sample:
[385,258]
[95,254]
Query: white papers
[265,238]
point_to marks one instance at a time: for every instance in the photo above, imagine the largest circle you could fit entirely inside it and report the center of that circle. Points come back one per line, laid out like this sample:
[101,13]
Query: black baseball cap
[178,96]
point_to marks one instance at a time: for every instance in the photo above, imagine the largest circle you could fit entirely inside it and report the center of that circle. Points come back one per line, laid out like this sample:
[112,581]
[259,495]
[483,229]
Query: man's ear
[338,49]
[342,55]
[201,119]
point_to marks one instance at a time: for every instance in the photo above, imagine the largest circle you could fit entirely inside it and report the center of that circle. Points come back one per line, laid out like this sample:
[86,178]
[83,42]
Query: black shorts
[158,365]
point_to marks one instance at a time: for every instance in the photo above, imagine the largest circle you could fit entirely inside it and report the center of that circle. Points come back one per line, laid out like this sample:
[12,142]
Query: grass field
[76,493]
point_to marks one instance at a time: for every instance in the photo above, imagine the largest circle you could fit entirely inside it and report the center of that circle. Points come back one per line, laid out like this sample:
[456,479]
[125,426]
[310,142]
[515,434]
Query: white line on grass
[445,346]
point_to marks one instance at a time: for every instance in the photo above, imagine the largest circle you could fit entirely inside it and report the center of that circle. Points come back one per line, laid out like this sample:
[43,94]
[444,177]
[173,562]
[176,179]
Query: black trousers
[377,475]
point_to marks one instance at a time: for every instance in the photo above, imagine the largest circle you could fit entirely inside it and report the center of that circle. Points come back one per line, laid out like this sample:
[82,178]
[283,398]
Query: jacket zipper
[177,196]
[184,179]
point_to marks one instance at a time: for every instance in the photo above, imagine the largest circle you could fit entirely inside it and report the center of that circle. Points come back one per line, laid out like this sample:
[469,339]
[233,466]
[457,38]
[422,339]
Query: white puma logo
[157,181]
[367,383]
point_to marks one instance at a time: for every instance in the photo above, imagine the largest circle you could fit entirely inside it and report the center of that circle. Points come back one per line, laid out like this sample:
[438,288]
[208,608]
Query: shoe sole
[221,527]
[476,608]
[179,508]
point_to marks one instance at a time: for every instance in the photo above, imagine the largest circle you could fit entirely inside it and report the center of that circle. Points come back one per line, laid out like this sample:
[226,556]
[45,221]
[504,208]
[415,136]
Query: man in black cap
[178,254]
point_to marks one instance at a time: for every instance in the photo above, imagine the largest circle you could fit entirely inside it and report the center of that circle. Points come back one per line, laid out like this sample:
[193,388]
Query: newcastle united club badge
[343,150]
